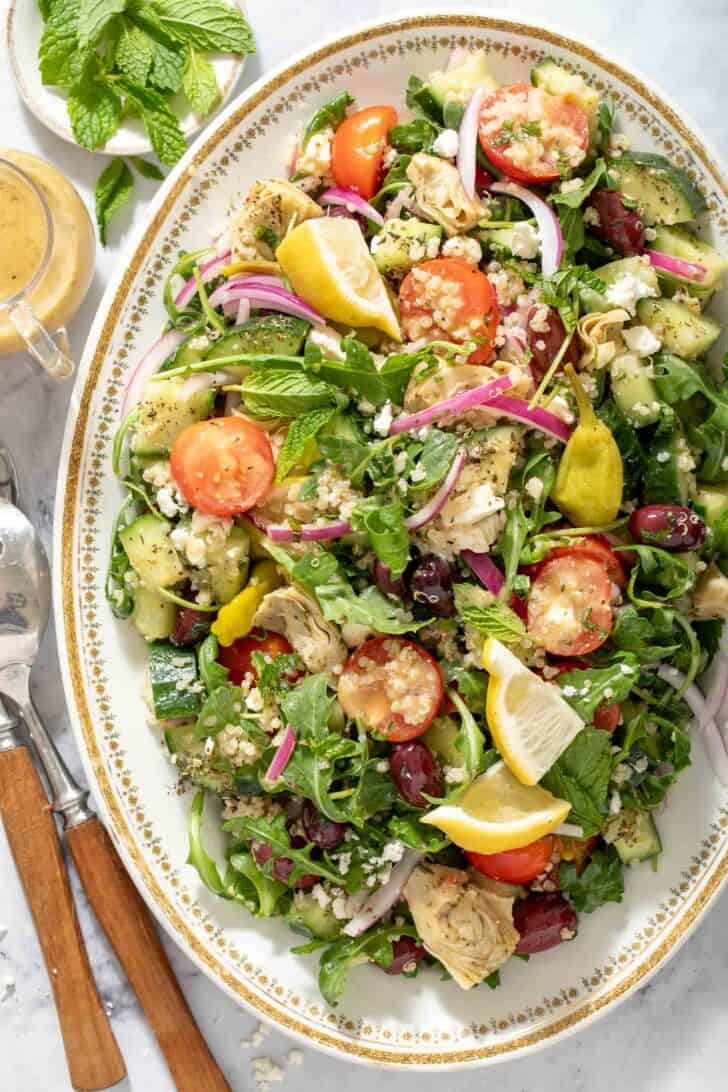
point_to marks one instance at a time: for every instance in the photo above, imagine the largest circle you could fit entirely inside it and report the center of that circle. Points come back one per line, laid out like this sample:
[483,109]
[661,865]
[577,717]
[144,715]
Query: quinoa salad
[425,524]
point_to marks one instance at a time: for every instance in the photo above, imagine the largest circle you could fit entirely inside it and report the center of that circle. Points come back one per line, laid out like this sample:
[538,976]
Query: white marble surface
[669,1036]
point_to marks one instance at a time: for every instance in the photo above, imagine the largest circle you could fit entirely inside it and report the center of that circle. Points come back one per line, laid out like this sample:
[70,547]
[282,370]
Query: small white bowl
[23,33]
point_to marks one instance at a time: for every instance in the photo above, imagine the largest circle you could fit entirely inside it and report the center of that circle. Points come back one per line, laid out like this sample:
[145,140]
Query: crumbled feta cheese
[393,851]
[167,503]
[201,342]
[455,775]
[534,488]
[463,247]
[316,158]
[266,1073]
[627,290]
[650,234]
[641,340]
[383,420]
[525,240]
[328,341]
[570,185]
[254,700]
[446,144]
[343,862]
[591,216]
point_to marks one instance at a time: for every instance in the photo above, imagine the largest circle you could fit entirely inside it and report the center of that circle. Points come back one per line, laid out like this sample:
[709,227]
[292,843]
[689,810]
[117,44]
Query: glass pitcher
[46,259]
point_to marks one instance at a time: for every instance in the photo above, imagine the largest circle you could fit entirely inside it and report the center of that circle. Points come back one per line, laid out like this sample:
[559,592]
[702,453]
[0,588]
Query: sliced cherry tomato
[238,657]
[569,609]
[358,149]
[515,865]
[595,547]
[532,136]
[222,466]
[451,299]
[393,686]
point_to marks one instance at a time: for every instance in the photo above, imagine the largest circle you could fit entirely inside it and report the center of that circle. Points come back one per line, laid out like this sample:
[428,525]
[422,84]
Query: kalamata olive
[387,584]
[669,526]
[619,227]
[282,866]
[544,919]
[323,832]
[407,953]
[415,771]
[545,340]
[430,584]
[190,626]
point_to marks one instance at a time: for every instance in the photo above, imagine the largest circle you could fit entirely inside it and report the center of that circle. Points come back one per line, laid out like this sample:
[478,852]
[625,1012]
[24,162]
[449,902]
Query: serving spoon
[24,604]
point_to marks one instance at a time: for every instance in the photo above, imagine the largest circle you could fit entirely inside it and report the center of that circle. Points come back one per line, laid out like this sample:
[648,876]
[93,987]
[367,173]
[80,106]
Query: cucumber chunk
[441,737]
[712,500]
[402,243]
[153,615]
[207,771]
[634,390]
[163,413]
[228,565]
[665,481]
[275,334]
[634,836]
[306,916]
[458,83]
[636,266]
[664,193]
[173,673]
[680,329]
[151,553]
[681,243]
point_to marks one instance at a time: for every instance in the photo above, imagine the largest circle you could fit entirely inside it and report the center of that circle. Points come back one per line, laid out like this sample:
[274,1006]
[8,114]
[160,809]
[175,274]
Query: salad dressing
[61,277]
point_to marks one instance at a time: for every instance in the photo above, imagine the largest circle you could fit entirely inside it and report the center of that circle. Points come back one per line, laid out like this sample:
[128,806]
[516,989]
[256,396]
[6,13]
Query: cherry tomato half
[358,149]
[222,466]
[238,657]
[515,866]
[451,299]
[530,135]
[594,547]
[393,686]
[569,609]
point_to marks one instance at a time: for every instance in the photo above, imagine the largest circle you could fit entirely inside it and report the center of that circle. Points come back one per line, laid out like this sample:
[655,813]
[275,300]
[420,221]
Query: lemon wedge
[530,722]
[498,813]
[329,265]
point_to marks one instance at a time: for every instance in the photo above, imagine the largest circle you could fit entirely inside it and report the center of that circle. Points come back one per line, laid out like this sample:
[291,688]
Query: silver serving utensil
[24,604]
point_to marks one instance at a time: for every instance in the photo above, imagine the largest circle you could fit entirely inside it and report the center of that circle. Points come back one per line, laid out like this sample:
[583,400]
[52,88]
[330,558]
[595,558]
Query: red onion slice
[201,381]
[208,272]
[435,505]
[271,299]
[690,271]
[537,418]
[714,745]
[549,228]
[459,403]
[309,532]
[282,755]
[486,570]
[385,897]
[149,365]
[352,202]
[718,690]
[468,140]
[224,293]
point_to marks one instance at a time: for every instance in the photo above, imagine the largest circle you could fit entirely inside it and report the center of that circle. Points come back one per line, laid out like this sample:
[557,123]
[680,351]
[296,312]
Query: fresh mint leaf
[581,776]
[94,109]
[168,66]
[199,83]
[601,881]
[572,231]
[113,189]
[586,690]
[575,198]
[307,707]
[285,393]
[147,169]
[330,115]
[386,532]
[134,52]
[494,619]
[162,126]
[93,16]
[210,25]
[373,946]
[59,57]
[301,432]
[357,372]
[514,538]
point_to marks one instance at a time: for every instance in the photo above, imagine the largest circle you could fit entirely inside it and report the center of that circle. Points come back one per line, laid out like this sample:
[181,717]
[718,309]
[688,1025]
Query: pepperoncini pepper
[589,480]
[235,619]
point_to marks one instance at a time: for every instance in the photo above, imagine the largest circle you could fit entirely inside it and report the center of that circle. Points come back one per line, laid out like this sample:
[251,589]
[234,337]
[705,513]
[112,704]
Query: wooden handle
[130,929]
[94,1059]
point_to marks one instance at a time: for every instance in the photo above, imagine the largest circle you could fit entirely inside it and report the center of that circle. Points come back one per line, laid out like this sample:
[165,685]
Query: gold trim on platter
[718,870]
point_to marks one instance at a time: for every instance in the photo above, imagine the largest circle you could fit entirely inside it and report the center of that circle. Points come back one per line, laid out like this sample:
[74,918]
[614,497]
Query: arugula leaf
[330,115]
[676,381]
[207,24]
[373,946]
[415,835]
[514,538]
[470,742]
[274,833]
[417,136]
[94,109]
[147,169]
[572,231]
[709,634]
[471,685]
[435,459]
[198,856]
[307,707]
[345,453]
[374,792]
[581,776]
[561,290]
[586,690]
[301,432]
[386,532]
[259,892]
[93,15]
[211,672]
[650,638]
[134,53]
[223,706]
[284,393]
[59,57]
[630,448]
[357,372]
[661,738]
[113,189]
[199,83]
[276,676]
[601,881]
[574,199]
[658,568]
[495,619]
[162,126]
